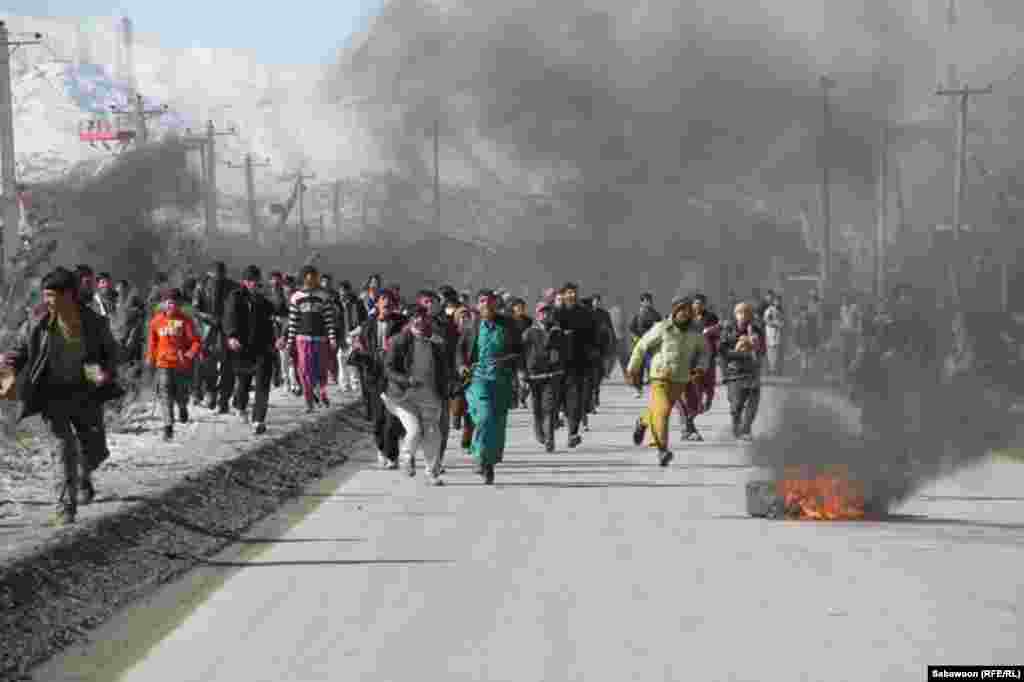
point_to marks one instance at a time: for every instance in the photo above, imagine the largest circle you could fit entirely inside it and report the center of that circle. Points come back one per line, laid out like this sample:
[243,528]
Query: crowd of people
[437,364]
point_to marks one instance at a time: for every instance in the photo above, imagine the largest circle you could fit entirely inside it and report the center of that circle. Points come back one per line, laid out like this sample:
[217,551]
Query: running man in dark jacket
[544,354]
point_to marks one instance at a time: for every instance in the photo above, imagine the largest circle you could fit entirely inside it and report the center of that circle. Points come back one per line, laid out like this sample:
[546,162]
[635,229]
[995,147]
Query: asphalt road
[590,564]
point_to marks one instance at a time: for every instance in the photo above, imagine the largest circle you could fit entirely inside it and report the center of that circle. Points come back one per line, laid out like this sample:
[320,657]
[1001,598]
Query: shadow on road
[325,562]
[967,498]
[234,537]
[595,484]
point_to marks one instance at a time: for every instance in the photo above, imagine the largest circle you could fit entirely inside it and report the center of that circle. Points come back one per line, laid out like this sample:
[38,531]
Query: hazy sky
[303,32]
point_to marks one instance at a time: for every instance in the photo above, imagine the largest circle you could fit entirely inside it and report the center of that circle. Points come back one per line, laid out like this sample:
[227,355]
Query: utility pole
[437,179]
[255,230]
[825,159]
[336,209]
[882,233]
[301,236]
[1009,223]
[140,113]
[8,169]
[210,156]
[964,94]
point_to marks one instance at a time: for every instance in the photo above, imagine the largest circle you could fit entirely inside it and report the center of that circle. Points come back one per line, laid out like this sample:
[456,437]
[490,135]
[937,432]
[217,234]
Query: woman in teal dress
[488,351]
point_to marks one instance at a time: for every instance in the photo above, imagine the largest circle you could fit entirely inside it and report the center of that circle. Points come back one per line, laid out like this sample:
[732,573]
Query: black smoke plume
[640,105]
[927,411]
[123,218]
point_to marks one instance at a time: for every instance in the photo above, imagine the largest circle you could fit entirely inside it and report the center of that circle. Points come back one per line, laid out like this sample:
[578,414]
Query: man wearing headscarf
[678,356]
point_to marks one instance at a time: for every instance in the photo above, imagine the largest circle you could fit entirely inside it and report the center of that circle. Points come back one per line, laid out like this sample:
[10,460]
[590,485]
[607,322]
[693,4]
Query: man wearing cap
[544,353]
[66,361]
[678,356]
[249,328]
[489,351]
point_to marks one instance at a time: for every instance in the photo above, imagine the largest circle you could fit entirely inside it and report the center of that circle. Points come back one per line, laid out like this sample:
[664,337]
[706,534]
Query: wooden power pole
[336,209]
[209,148]
[882,229]
[964,94]
[301,232]
[825,160]
[8,169]
[140,113]
[255,230]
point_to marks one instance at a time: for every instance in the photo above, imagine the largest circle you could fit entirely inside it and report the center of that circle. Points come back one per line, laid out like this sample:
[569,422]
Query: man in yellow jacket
[679,356]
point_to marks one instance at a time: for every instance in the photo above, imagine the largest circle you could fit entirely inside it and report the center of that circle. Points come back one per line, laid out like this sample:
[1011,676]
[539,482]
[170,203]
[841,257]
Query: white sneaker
[382,461]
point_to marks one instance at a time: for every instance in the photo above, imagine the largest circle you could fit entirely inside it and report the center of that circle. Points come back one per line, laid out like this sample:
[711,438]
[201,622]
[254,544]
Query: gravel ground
[160,508]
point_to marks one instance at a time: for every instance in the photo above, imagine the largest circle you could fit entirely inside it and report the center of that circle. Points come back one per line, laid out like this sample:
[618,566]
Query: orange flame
[827,496]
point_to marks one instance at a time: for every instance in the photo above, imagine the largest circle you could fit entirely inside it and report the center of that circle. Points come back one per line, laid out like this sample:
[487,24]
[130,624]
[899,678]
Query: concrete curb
[51,597]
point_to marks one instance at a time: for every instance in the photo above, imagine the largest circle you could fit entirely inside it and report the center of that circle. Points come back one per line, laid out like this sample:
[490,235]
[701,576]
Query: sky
[275,31]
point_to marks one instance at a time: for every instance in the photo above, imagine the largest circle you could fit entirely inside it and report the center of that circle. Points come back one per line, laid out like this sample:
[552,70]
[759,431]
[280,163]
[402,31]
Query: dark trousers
[744,398]
[576,386]
[597,374]
[364,385]
[545,398]
[446,426]
[172,389]
[260,376]
[387,429]
[75,421]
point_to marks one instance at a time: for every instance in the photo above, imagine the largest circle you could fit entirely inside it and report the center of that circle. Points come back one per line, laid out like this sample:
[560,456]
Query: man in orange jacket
[173,345]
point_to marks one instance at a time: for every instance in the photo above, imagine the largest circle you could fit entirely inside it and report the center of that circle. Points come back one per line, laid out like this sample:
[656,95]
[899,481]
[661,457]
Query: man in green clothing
[489,351]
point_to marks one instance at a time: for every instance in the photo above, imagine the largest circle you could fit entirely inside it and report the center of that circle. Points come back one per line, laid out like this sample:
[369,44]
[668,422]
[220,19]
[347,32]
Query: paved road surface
[591,564]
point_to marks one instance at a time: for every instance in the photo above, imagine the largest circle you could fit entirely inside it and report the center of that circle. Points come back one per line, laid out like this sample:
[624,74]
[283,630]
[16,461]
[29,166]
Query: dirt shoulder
[160,508]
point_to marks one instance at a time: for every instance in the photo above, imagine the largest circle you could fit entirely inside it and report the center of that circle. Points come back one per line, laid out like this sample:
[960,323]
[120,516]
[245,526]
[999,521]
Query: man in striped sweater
[312,338]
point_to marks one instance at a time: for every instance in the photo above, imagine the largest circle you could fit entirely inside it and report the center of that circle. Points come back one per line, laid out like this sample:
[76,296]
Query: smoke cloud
[628,109]
[122,219]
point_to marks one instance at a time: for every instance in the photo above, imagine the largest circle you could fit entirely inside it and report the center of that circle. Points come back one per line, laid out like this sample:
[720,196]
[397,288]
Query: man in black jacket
[352,314]
[218,378]
[368,352]
[742,349]
[578,323]
[607,343]
[521,321]
[249,330]
[67,368]
[544,351]
[279,302]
